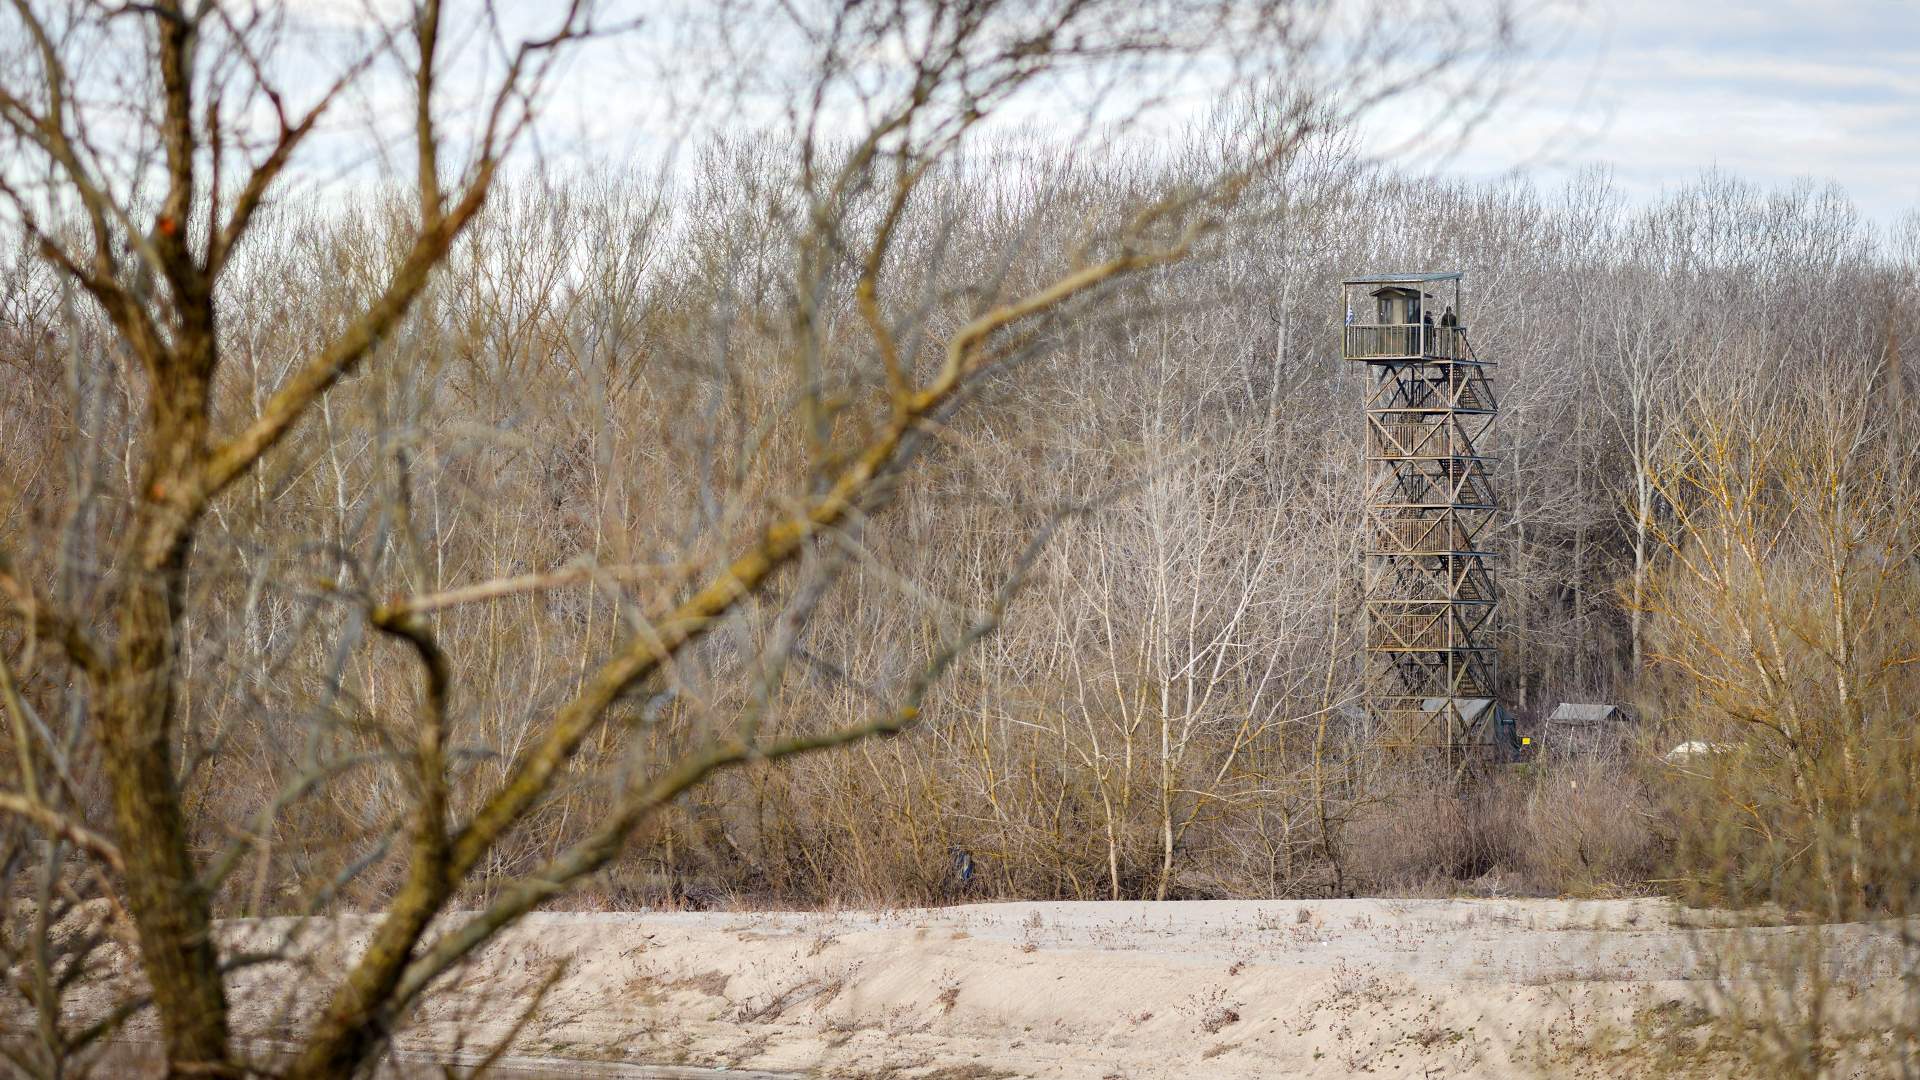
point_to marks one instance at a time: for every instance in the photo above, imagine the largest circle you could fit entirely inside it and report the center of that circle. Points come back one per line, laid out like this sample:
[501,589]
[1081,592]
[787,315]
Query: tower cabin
[1404,317]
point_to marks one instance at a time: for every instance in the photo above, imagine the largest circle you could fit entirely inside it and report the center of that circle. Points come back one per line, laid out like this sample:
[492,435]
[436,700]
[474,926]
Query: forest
[1159,709]
[926,516]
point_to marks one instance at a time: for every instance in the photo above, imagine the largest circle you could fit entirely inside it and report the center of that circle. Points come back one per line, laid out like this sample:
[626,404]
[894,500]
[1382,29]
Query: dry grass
[1581,827]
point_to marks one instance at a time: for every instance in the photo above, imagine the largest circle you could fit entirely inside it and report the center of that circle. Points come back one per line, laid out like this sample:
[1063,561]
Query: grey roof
[1404,279]
[1470,707]
[1575,712]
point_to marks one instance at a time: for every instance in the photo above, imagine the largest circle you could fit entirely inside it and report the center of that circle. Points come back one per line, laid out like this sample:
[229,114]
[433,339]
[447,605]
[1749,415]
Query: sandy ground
[1106,991]
[1384,988]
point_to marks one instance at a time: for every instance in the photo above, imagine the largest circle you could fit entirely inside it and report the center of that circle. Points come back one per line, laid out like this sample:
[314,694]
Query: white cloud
[1775,91]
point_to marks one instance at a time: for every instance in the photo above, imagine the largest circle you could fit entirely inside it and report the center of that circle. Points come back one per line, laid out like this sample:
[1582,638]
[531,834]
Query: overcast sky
[1657,90]
[1771,90]
[1768,90]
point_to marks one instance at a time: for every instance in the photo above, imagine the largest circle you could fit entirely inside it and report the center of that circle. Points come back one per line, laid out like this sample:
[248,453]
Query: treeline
[1131,557]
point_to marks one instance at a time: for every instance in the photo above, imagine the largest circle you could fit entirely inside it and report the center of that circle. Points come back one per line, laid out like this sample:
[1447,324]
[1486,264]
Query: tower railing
[1386,341]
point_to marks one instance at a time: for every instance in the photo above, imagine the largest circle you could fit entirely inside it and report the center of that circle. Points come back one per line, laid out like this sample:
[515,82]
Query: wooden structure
[1432,672]
[1586,728]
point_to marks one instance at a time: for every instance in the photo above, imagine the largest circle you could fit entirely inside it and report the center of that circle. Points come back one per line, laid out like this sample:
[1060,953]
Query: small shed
[1487,722]
[1471,710]
[1586,727]
[1397,304]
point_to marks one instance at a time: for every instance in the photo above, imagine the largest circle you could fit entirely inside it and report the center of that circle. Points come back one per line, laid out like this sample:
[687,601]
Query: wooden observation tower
[1432,679]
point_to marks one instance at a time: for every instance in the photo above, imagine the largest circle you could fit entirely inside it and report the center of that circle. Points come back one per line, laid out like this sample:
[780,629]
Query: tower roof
[1404,279]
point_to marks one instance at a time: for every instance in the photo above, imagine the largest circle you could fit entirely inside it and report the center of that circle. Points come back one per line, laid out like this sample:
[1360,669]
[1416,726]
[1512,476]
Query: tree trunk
[1636,616]
[169,905]
[164,894]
